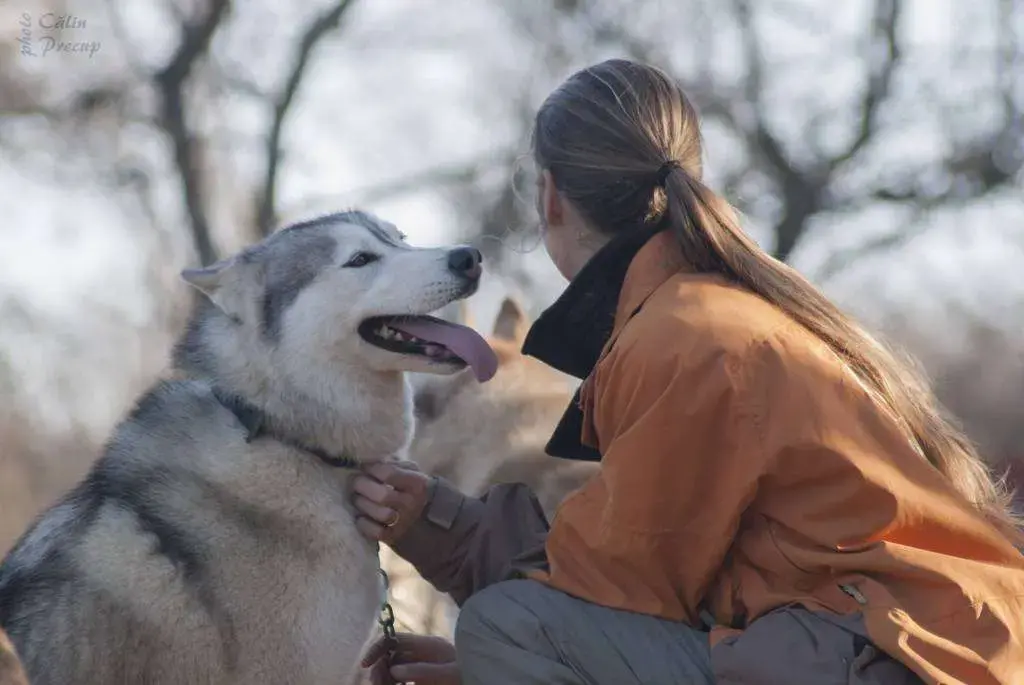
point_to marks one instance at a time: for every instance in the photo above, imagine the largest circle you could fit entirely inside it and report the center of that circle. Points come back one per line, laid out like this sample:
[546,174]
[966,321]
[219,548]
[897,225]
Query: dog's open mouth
[426,336]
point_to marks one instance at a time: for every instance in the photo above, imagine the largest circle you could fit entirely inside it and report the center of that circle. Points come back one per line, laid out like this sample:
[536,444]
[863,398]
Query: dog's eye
[361,259]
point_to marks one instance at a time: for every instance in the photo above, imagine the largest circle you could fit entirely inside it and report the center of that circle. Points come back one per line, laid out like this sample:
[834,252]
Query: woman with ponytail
[781,499]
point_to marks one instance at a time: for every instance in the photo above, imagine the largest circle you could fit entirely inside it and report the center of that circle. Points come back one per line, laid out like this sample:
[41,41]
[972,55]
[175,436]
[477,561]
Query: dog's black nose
[465,261]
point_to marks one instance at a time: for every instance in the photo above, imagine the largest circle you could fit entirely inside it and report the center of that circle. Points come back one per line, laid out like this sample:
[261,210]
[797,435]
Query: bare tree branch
[462,173]
[757,130]
[802,188]
[170,82]
[1009,61]
[314,33]
[974,172]
[996,162]
[885,25]
[838,262]
[505,212]
[802,191]
[502,216]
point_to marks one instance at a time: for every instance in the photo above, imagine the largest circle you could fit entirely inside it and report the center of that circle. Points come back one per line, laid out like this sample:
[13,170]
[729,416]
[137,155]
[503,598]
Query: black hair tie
[665,169]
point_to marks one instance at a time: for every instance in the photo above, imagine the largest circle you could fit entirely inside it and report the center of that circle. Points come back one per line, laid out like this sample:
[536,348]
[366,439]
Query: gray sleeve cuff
[443,505]
[462,544]
[437,544]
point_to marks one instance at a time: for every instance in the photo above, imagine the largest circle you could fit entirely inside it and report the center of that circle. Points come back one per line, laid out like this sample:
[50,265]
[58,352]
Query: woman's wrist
[444,501]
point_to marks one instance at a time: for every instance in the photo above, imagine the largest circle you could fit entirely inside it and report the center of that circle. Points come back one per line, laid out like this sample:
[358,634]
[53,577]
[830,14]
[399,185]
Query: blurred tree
[802,151]
[809,111]
[876,114]
[168,98]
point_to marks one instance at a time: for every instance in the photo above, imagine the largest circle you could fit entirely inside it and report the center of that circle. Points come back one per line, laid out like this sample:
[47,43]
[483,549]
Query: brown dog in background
[477,435]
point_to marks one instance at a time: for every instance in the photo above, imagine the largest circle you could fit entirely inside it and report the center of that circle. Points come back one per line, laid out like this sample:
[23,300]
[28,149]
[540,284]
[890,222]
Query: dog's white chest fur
[338,615]
[337,605]
[321,587]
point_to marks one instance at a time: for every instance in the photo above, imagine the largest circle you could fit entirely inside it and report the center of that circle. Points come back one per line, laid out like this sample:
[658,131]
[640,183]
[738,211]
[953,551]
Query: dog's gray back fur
[190,555]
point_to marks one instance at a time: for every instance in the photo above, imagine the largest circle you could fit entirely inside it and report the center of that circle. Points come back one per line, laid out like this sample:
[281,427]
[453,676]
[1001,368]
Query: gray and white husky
[213,542]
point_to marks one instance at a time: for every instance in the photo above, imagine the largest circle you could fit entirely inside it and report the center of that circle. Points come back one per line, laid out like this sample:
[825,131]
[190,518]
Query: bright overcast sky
[411,85]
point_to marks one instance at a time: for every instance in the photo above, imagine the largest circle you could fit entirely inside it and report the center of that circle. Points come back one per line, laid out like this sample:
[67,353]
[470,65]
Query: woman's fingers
[381,493]
[375,651]
[379,674]
[425,649]
[391,497]
[380,522]
[411,648]
[378,512]
[427,674]
[401,478]
[370,529]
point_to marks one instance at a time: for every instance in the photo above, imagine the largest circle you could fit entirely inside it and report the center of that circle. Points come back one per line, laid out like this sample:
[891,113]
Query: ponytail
[709,235]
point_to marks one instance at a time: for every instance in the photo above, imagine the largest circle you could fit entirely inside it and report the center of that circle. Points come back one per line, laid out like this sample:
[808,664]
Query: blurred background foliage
[877,145]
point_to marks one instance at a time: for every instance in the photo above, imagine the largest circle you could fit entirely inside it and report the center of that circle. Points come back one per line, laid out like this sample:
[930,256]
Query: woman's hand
[390,497]
[418,658]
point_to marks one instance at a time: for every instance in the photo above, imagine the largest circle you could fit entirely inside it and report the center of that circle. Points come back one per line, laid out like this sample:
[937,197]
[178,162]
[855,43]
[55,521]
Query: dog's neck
[346,410]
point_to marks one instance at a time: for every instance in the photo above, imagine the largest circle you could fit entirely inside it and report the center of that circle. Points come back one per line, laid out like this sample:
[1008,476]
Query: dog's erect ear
[511,323]
[222,284]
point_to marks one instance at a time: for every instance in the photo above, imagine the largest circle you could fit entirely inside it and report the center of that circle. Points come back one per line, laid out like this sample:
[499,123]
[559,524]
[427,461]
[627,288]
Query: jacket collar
[575,332]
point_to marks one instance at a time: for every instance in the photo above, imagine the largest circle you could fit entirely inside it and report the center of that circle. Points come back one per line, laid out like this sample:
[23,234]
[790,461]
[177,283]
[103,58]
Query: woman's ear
[551,201]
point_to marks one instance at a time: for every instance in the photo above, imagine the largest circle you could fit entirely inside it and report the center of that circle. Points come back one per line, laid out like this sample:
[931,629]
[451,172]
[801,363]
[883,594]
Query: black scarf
[570,334]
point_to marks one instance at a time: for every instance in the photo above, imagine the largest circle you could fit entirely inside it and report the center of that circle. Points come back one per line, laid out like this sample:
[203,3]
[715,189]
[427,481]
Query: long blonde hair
[622,142]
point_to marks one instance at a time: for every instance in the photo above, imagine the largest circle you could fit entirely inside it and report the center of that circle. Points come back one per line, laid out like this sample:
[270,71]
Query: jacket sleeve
[681,462]
[463,544]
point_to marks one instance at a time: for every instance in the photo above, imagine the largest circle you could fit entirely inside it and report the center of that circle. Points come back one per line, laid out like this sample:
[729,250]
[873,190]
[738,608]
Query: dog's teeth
[398,336]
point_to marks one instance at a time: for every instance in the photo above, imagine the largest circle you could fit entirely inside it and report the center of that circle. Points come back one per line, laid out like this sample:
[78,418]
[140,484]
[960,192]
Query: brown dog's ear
[511,323]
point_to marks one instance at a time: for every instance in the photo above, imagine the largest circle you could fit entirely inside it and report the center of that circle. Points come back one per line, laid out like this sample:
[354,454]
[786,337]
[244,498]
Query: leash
[386,621]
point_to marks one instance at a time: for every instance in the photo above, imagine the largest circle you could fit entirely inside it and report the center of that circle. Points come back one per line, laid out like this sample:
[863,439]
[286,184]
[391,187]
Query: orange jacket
[745,468]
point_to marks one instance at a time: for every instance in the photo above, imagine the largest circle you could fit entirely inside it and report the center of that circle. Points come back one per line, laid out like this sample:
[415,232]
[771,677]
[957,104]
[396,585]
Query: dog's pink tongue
[460,340]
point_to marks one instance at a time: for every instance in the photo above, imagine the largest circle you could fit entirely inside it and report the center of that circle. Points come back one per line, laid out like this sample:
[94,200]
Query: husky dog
[213,542]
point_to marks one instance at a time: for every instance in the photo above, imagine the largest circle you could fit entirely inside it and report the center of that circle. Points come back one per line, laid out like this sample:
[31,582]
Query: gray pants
[526,633]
